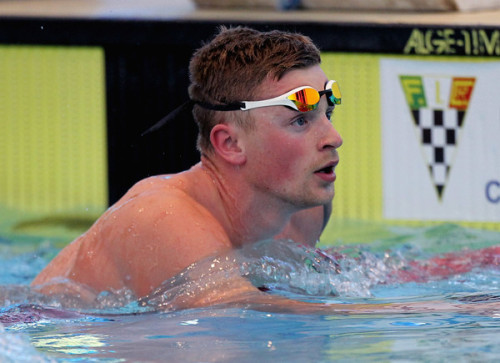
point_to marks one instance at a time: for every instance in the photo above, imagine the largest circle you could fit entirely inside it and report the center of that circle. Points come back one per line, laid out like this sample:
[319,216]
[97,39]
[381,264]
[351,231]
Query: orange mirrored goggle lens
[306,99]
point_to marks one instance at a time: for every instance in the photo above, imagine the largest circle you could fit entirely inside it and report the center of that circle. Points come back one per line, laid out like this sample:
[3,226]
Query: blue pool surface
[37,330]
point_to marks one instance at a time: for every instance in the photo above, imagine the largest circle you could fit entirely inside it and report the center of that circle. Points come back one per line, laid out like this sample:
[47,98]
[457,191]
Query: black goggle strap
[188,106]
[170,117]
[228,107]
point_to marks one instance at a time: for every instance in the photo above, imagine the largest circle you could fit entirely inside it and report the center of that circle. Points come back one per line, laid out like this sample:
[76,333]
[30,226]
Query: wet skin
[275,179]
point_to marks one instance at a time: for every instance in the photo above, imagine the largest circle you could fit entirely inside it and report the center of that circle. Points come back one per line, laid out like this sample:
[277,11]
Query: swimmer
[268,149]
[268,153]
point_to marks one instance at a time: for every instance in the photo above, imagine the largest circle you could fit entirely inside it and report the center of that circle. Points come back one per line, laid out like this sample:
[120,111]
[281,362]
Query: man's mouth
[327,173]
[326,170]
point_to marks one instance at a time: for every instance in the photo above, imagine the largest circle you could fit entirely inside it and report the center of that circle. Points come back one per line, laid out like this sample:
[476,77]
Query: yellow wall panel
[359,183]
[52,129]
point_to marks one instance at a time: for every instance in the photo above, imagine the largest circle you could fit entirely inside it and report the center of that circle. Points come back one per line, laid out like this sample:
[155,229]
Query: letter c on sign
[493,191]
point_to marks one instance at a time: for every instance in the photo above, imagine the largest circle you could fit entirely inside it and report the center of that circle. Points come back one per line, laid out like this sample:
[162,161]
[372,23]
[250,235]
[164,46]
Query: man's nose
[330,136]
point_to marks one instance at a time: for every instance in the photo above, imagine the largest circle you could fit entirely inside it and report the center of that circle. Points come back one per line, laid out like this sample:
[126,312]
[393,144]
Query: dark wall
[143,84]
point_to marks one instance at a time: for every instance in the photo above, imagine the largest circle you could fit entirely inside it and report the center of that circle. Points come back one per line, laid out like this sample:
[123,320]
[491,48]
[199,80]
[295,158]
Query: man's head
[232,67]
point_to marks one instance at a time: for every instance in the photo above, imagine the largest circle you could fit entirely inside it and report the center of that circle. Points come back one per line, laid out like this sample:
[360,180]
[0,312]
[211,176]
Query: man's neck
[246,214]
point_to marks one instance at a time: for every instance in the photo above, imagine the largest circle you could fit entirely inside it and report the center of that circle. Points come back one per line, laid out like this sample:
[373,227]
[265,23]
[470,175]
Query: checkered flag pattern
[438,131]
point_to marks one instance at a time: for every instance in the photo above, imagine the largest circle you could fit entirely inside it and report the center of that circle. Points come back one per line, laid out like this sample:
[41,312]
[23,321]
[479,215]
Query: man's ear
[225,141]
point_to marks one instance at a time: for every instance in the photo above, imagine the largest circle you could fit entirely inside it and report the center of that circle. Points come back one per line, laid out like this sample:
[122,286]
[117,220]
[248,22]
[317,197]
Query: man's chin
[315,203]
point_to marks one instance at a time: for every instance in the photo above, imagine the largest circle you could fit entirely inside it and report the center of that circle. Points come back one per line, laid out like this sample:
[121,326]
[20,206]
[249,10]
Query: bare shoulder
[165,198]
[164,208]
[152,233]
[159,230]
[149,184]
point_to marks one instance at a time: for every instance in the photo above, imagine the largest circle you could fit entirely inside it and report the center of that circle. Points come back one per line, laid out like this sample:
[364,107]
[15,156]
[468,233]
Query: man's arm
[218,282]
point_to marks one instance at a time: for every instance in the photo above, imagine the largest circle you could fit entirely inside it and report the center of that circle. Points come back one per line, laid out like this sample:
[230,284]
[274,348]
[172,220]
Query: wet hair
[232,66]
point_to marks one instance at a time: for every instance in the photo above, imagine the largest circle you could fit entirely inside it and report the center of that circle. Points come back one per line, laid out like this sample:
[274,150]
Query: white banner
[441,140]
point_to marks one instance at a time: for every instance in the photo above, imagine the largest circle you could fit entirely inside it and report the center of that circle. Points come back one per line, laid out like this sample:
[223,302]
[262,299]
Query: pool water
[39,330]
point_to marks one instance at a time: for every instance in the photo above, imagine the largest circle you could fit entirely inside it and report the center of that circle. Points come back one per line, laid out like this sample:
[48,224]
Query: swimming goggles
[301,99]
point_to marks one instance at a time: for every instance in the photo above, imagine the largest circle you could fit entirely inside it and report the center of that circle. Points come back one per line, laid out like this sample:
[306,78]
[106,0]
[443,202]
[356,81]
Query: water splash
[277,265]
[346,271]
[283,267]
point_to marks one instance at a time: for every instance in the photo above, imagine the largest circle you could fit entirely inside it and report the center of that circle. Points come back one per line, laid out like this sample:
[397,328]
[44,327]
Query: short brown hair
[232,66]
